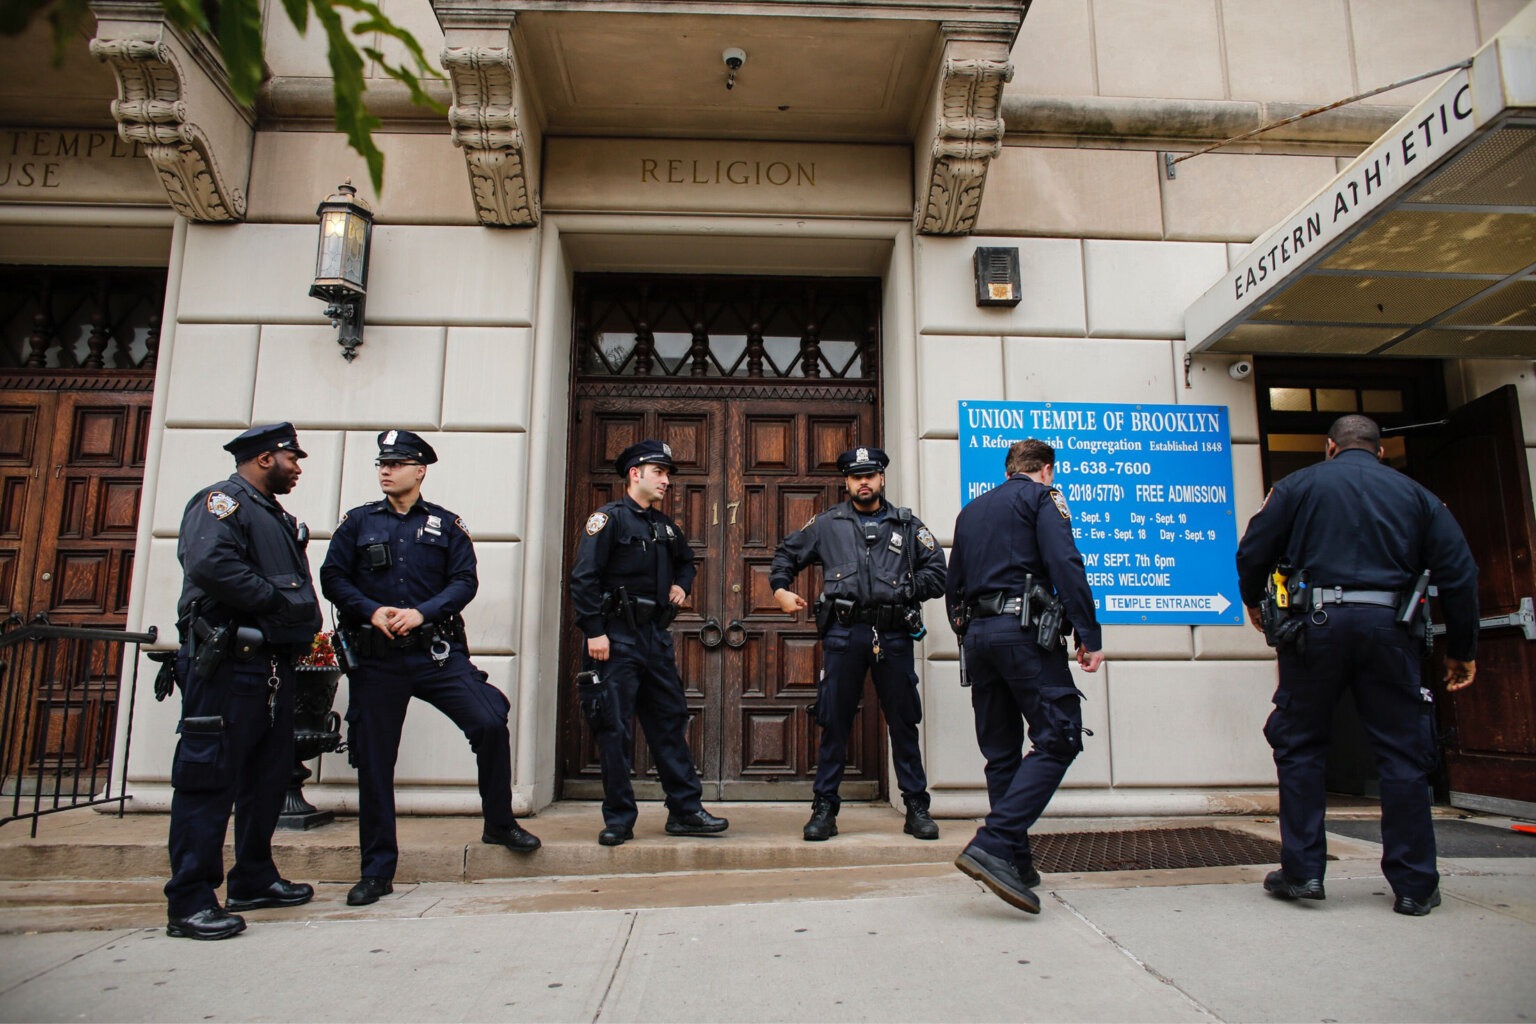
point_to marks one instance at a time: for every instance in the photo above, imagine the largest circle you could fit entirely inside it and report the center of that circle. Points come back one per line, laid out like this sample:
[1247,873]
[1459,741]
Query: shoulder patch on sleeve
[1060,503]
[926,539]
[221,505]
[595,523]
[342,519]
[1265,501]
[808,523]
[459,522]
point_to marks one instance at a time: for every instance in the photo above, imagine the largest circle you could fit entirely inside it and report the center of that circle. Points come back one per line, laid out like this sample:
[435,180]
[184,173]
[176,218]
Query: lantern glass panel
[329,261]
[355,251]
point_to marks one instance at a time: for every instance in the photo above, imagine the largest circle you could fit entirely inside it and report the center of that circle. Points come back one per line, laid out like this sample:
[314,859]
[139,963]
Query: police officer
[1014,564]
[1358,534]
[633,570]
[400,570]
[247,610]
[879,563]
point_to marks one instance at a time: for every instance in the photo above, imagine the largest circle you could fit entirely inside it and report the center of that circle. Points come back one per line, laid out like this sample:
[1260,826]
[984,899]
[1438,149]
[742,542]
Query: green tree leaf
[347,87]
[239,33]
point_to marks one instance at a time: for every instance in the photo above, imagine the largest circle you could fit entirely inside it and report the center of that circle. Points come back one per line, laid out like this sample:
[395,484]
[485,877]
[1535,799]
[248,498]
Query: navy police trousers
[381,690]
[1014,683]
[1360,648]
[847,657]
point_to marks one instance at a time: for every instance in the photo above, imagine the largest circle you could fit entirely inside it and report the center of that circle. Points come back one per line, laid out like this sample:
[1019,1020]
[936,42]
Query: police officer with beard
[1014,564]
[400,570]
[1359,534]
[247,610]
[633,570]
[879,563]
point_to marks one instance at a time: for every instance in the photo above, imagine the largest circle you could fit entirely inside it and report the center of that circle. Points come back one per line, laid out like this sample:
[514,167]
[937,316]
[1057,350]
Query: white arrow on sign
[1167,603]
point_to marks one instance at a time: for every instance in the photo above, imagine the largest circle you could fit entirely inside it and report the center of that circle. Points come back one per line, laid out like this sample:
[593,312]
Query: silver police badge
[862,455]
[666,449]
[595,523]
[1060,503]
[926,539]
[221,505]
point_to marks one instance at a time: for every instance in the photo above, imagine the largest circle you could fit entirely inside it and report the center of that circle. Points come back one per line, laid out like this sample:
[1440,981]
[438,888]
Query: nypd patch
[221,505]
[1266,500]
[595,523]
[1060,503]
[808,523]
[926,539]
[342,519]
[459,522]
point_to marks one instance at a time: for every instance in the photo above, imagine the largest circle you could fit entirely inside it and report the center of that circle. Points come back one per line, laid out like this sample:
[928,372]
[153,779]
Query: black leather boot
[919,824]
[823,823]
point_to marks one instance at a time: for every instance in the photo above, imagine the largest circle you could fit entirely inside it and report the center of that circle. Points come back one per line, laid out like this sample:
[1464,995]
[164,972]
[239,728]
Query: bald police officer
[879,563]
[1015,563]
[247,611]
[1359,534]
[400,570]
[633,570]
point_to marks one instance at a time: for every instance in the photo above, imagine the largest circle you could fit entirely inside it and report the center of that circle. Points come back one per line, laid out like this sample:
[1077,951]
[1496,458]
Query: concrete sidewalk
[873,942]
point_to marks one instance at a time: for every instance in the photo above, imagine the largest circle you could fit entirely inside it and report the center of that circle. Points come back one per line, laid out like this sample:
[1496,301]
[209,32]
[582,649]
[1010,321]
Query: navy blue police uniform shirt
[1021,528]
[432,562]
[624,545]
[244,564]
[871,574]
[1354,523]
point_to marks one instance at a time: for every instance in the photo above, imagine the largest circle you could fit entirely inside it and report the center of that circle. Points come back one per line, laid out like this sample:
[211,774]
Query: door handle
[735,635]
[710,634]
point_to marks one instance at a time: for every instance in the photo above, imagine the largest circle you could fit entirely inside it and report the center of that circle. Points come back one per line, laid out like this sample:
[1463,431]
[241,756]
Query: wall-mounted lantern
[341,264]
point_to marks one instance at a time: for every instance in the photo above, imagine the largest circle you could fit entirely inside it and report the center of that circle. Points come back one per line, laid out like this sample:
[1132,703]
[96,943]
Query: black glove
[165,680]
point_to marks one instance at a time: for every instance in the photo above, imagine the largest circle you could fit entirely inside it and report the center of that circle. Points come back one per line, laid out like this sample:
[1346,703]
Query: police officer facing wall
[1016,582]
[878,563]
[633,569]
[400,570]
[247,610]
[1351,537]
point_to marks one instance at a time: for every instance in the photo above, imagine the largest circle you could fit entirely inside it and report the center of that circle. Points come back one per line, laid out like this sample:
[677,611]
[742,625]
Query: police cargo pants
[1360,648]
[1015,683]
[847,657]
[245,767]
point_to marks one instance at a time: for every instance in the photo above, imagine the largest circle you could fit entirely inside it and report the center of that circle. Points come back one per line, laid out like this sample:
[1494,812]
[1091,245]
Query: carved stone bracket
[484,119]
[173,101]
[968,135]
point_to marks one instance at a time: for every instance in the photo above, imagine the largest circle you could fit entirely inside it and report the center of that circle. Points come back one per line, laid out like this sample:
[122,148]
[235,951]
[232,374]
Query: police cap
[862,460]
[404,446]
[644,453]
[269,437]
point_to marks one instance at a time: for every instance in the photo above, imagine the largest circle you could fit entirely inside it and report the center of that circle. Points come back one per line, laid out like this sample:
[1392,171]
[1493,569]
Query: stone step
[87,844]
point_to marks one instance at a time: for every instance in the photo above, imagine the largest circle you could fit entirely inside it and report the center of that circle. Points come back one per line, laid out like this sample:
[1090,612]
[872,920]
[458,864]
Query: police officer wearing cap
[1360,535]
[400,570]
[247,611]
[633,570]
[1014,566]
[879,563]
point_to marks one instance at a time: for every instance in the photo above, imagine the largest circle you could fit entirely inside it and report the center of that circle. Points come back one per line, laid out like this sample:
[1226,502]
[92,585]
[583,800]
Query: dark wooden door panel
[1478,467]
[26,430]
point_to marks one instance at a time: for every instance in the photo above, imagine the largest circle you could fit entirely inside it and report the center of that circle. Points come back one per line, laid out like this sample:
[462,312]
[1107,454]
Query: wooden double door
[753,464]
[71,473]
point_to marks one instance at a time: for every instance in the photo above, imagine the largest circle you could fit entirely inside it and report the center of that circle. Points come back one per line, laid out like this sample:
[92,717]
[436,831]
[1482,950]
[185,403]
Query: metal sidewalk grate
[1143,849]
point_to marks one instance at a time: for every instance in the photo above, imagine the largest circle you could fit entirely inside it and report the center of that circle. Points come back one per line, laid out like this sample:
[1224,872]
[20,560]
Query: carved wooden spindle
[152,343]
[755,349]
[101,334]
[810,351]
[40,339]
[645,349]
[699,351]
[584,344]
[867,361]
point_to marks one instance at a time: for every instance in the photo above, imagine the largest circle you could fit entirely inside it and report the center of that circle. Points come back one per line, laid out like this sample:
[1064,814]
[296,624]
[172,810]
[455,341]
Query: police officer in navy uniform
[879,563]
[400,570]
[247,611]
[1014,560]
[1360,534]
[633,570]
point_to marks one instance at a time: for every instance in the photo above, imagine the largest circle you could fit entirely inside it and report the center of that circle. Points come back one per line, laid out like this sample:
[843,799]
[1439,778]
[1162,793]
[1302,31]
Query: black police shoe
[1000,876]
[1277,884]
[695,823]
[514,837]
[208,923]
[615,835]
[368,890]
[823,823]
[1416,908]
[919,825]
[1027,873]
[281,893]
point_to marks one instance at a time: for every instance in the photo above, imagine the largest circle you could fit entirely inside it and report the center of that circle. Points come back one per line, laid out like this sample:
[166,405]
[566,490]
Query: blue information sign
[1150,490]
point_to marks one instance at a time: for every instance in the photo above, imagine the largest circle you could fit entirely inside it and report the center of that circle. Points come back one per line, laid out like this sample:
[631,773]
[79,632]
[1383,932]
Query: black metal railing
[61,689]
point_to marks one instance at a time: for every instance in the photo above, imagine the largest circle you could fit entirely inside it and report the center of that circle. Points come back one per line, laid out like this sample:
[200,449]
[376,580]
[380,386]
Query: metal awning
[1425,245]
